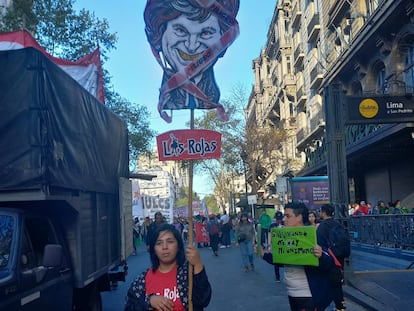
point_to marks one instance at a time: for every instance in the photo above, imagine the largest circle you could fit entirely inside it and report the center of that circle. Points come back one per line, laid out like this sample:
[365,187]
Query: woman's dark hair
[314,213]
[244,215]
[155,262]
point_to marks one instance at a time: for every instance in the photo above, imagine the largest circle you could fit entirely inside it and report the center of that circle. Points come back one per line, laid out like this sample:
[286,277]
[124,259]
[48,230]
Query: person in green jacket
[264,220]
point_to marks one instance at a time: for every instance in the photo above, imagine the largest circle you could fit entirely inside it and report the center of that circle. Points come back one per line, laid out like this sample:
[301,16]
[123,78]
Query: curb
[353,293]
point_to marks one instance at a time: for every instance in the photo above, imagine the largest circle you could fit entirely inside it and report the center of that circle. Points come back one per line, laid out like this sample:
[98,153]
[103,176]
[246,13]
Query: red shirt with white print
[164,284]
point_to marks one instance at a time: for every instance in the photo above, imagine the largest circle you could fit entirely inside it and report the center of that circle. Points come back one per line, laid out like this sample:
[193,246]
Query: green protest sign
[294,245]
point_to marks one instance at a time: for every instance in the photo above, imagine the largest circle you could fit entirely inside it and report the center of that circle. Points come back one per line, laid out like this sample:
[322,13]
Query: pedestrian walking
[276,223]
[213,231]
[164,286]
[246,240]
[225,230]
[158,220]
[136,234]
[264,220]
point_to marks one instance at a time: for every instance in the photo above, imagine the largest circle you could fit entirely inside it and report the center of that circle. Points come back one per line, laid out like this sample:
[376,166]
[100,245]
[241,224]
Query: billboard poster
[294,245]
[313,191]
[199,208]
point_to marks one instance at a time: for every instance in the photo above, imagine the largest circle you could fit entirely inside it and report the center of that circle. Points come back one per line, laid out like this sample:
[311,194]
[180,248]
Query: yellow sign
[368,108]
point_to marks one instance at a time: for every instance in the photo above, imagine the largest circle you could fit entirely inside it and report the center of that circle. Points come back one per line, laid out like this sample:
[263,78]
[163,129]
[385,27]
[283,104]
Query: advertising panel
[313,191]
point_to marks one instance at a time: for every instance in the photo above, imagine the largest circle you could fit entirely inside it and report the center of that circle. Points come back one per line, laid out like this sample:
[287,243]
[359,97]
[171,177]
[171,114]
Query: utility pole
[336,157]
[336,152]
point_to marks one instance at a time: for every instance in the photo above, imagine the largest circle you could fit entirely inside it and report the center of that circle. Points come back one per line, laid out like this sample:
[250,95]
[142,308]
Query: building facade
[179,175]
[158,194]
[367,48]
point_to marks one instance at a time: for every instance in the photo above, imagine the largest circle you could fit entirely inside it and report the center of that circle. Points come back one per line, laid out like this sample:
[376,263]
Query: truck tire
[88,299]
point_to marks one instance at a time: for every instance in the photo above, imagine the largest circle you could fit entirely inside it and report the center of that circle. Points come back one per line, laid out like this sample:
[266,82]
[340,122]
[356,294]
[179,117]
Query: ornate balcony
[314,27]
[299,55]
[316,77]
[296,15]
[301,98]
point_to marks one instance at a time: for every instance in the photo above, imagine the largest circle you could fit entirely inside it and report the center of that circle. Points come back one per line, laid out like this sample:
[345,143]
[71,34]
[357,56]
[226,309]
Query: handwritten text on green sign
[294,245]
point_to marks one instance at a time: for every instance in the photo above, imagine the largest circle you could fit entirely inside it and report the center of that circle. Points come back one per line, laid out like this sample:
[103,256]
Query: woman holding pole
[164,286]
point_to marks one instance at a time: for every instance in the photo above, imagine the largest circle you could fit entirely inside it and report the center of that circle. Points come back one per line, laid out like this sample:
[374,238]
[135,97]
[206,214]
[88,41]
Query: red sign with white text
[189,145]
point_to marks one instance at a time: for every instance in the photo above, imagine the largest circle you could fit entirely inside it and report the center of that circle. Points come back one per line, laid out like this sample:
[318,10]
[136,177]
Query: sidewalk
[380,282]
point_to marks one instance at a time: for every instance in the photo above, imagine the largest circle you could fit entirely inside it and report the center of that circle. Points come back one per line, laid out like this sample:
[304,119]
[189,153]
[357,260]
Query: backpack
[214,228]
[338,240]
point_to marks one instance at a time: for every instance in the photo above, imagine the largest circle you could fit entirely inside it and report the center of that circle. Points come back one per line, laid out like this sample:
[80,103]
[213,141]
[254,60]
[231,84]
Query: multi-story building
[179,175]
[157,194]
[160,193]
[272,99]
[367,48]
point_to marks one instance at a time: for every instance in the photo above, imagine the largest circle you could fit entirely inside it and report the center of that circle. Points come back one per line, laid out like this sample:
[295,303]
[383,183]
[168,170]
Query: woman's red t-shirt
[164,284]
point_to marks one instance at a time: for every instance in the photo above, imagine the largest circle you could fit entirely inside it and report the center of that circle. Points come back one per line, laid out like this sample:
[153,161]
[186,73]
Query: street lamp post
[243,156]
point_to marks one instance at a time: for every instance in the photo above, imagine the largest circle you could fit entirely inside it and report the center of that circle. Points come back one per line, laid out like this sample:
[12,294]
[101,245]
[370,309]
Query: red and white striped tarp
[87,71]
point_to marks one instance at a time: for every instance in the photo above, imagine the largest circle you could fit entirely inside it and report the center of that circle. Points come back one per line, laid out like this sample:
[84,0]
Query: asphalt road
[233,289]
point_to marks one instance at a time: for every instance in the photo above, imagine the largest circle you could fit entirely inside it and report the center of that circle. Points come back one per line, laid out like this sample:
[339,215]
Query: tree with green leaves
[233,139]
[262,153]
[183,196]
[211,203]
[252,147]
[68,34]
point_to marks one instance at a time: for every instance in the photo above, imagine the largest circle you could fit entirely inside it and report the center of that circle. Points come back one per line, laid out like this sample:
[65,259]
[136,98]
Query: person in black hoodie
[336,272]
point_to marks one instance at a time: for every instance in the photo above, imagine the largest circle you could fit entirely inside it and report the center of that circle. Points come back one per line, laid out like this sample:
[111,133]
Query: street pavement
[233,289]
[381,282]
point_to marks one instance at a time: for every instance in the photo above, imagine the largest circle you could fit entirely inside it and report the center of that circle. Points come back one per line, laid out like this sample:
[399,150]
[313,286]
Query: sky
[137,76]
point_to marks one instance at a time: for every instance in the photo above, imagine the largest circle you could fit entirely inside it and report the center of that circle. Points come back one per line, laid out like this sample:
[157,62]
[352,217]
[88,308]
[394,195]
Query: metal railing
[393,231]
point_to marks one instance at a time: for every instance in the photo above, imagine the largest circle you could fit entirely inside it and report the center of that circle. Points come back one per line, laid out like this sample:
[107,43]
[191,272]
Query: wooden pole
[190,222]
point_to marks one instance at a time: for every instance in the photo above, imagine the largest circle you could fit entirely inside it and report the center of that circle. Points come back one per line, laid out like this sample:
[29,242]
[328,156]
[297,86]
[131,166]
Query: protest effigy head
[159,12]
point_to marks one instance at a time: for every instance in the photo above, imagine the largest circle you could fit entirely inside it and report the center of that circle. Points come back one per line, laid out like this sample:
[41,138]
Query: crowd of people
[366,208]
[309,288]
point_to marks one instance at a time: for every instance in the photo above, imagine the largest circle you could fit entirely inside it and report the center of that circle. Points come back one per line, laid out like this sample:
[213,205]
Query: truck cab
[65,193]
[35,271]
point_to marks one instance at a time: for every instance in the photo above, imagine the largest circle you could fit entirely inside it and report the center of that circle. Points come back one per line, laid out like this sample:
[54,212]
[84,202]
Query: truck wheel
[88,299]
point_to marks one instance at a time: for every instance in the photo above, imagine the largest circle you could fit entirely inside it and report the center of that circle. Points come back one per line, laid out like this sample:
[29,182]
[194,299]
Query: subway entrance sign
[379,109]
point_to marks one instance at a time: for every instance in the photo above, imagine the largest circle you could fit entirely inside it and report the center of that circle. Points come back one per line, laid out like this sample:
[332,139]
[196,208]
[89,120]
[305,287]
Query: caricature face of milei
[184,40]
